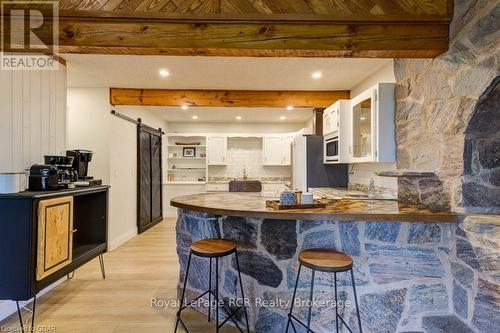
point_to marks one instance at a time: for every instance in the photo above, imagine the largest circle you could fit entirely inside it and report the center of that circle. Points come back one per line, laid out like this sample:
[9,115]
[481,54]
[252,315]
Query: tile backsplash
[246,153]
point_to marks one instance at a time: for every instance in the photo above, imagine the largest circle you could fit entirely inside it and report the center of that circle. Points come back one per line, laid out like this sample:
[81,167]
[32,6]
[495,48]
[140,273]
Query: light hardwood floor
[146,267]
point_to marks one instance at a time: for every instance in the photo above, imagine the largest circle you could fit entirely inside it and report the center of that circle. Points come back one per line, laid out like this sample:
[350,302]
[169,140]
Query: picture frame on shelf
[189,152]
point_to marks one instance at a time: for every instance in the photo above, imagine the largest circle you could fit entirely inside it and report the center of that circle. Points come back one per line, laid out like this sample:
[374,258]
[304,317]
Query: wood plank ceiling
[315,28]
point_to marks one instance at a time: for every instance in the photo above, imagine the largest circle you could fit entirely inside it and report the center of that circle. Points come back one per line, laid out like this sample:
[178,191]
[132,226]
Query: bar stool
[324,260]
[213,248]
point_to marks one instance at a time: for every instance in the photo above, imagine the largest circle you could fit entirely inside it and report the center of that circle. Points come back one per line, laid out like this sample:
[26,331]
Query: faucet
[245,176]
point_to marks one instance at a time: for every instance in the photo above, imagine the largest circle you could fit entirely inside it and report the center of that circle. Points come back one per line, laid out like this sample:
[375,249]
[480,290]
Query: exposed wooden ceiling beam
[384,40]
[225,98]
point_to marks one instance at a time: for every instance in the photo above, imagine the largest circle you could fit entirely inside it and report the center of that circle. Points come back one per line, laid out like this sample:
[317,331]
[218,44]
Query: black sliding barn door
[149,177]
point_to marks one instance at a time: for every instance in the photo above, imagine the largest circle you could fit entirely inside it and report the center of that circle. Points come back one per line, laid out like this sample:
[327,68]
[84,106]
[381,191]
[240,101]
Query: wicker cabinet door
[55,235]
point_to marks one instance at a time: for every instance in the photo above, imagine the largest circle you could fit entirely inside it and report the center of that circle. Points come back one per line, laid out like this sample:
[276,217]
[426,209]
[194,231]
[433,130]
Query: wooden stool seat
[325,260]
[213,247]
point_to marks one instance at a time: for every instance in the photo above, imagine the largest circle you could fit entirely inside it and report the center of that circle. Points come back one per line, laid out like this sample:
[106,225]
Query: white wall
[32,117]
[114,143]
[89,122]
[196,127]
[385,74]
[363,172]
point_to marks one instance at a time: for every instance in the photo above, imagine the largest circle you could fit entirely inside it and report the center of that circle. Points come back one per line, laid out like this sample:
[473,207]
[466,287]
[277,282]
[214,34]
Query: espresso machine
[81,159]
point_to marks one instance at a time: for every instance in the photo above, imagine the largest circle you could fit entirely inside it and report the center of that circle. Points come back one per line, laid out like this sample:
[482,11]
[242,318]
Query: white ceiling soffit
[232,73]
[226,114]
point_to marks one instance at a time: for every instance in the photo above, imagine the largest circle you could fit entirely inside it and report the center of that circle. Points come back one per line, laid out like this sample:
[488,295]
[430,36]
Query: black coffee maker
[81,159]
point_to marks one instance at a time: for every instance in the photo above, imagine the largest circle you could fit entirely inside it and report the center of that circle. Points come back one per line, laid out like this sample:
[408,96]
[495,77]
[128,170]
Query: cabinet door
[273,150]
[327,122]
[363,127]
[216,150]
[334,119]
[287,149]
[55,235]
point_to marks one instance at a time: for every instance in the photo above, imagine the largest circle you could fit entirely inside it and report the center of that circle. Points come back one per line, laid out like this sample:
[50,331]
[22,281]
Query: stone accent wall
[418,277]
[476,272]
[481,185]
[436,99]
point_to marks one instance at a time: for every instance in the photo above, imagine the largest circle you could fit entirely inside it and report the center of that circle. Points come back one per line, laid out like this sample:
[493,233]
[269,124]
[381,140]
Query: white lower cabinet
[219,187]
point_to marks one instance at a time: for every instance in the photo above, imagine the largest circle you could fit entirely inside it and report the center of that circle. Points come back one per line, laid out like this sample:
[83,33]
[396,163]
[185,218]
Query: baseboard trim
[8,308]
[122,239]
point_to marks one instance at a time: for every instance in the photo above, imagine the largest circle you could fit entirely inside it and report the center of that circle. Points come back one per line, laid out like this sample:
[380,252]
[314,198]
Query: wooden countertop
[239,204]
[46,194]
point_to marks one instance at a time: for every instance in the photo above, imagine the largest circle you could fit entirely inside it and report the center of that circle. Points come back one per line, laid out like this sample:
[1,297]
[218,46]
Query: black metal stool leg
[293,299]
[210,290]
[336,304]
[33,311]
[183,293]
[217,294]
[20,316]
[310,302]
[242,294]
[33,318]
[356,300]
[103,271]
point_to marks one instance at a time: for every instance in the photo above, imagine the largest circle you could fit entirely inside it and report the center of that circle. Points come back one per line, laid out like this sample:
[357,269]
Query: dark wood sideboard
[45,236]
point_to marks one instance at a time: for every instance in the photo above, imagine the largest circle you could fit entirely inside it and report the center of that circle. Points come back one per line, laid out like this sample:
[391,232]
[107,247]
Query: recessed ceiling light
[363,118]
[317,75]
[194,117]
[238,117]
[185,107]
[289,107]
[164,72]
[282,118]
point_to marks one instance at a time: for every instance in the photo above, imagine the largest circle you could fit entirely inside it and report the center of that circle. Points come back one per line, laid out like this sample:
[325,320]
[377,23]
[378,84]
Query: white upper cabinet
[287,149]
[373,125]
[276,149]
[331,119]
[337,124]
[217,150]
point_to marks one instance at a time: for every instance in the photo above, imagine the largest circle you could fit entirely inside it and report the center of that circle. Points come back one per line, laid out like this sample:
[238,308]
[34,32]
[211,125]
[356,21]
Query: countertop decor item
[12,182]
[307,198]
[275,204]
[287,198]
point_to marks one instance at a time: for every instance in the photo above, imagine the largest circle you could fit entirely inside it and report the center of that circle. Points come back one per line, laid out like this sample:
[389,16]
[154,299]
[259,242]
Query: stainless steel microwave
[331,148]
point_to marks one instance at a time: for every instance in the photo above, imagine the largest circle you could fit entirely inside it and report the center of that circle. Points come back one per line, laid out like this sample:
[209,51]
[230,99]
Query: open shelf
[186,158]
[190,146]
[82,250]
[186,182]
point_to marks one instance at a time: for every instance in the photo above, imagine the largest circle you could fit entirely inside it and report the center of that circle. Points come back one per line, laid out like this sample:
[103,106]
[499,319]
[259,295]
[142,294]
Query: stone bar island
[415,268]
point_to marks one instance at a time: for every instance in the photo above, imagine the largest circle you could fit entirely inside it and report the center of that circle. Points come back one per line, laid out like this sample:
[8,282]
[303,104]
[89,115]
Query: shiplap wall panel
[32,117]
[53,117]
[26,83]
[17,122]
[61,106]
[35,116]
[45,111]
[6,117]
